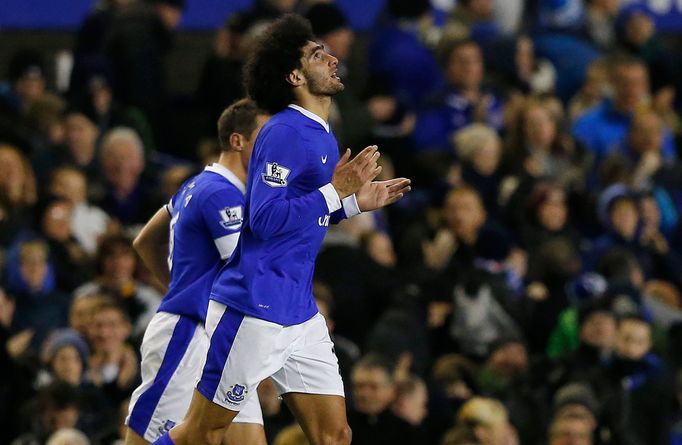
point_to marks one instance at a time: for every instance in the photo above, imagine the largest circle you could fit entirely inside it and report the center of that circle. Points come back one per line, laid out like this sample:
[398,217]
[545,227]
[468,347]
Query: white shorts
[173,354]
[245,350]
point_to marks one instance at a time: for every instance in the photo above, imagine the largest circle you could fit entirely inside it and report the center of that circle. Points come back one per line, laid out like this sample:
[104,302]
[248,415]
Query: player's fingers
[374,149]
[366,153]
[371,164]
[397,184]
[362,159]
[371,174]
[344,159]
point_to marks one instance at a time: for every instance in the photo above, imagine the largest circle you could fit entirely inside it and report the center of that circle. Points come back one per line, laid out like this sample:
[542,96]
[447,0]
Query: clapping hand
[377,194]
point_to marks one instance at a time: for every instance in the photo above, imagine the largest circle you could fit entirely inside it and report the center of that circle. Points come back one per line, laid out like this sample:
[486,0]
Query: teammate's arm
[282,161]
[152,245]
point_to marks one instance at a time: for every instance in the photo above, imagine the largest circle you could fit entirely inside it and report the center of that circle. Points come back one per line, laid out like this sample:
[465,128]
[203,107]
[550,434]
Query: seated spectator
[636,27]
[55,407]
[599,22]
[88,222]
[548,218]
[370,417]
[102,109]
[126,197]
[464,102]
[537,146]
[477,237]
[116,262]
[633,389]
[455,377]
[67,355]
[18,192]
[506,376]
[81,312]
[596,337]
[41,306]
[113,365]
[570,429]
[71,263]
[379,248]
[603,129]
[578,401]
[651,252]
[555,264]
[488,420]
[27,78]
[660,220]
[411,401]
[592,91]
[81,143]
[479,149]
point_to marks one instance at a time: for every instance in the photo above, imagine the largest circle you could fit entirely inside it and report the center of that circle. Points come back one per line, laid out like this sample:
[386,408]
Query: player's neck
[232,161]
[318,105]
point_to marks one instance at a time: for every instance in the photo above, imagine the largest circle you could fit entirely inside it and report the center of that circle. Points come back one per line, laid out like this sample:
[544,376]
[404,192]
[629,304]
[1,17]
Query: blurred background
[527,291]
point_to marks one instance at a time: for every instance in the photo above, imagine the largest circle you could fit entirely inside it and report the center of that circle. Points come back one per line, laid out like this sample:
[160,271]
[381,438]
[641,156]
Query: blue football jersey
[206,219]
[289,204]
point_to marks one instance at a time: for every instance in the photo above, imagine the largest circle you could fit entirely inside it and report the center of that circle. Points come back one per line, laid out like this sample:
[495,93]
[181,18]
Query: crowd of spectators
[527,291]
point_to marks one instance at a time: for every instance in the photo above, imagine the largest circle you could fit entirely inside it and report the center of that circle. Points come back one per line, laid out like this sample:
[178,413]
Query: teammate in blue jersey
[262,317]
[204,219]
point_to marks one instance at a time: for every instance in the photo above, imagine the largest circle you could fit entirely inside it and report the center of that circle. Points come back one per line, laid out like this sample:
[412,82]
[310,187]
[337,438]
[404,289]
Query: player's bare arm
[152,245]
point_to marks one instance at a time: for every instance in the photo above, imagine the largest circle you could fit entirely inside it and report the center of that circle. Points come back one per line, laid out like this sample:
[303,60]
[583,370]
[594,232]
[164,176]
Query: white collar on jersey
[310,115]
[227,174]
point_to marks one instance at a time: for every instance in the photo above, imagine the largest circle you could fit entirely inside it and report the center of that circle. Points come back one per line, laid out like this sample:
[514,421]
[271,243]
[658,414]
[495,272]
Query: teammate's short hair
[240,117]
[276,54]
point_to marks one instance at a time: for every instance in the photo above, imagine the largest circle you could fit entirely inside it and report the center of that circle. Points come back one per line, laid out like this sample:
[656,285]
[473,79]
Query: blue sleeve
[668,150]
[582,128]
[279,167]
[223,212]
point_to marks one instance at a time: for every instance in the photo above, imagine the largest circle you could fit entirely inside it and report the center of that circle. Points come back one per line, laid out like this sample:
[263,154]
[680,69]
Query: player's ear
[236,142]
[295,78]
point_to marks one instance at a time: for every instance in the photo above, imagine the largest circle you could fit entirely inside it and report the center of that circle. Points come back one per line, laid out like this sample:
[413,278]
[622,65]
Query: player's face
[319,69]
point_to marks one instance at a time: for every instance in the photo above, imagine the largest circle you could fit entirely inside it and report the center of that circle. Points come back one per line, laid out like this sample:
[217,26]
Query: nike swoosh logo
[324,159]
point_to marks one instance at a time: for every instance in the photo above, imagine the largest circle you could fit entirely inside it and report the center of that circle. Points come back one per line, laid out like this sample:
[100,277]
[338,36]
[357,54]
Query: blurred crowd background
[527,291]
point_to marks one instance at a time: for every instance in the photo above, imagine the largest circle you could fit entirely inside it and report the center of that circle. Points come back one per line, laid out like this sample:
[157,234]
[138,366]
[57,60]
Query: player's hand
[376,194]
[350,175]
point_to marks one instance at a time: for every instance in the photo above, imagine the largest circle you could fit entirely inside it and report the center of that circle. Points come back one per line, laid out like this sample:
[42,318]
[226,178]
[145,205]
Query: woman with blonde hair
[17,192]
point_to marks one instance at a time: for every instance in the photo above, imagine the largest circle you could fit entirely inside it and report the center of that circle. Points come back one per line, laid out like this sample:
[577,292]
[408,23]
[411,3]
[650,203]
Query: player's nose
[333,61]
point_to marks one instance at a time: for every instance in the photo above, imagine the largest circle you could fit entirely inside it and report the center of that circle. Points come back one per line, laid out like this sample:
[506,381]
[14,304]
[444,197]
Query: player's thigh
[312,387]
[312,366]
[171,350]
[243,351]
[245,434]
[322,417]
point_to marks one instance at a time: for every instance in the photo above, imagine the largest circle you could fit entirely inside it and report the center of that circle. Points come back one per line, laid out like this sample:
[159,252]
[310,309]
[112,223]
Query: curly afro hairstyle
[276,54]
